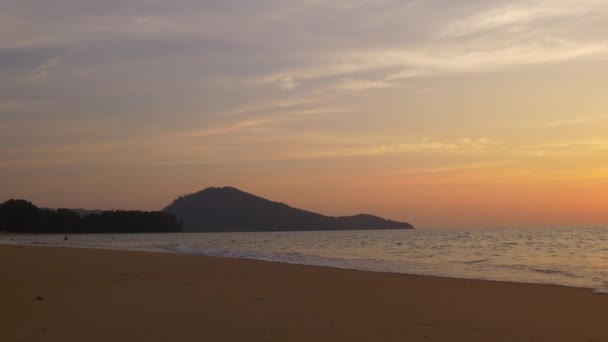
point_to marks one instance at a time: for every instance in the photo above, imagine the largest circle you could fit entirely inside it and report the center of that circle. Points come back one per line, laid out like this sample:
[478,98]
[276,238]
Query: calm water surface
[571,257]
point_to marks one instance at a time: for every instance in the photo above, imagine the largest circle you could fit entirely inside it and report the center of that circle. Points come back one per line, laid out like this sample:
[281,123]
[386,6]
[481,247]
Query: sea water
[563,256]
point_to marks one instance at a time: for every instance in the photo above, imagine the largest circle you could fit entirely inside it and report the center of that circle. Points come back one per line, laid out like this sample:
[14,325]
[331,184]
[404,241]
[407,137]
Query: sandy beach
[60,294]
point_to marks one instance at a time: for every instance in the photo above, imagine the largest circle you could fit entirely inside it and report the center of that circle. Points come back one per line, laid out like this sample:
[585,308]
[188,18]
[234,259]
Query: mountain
[228,209]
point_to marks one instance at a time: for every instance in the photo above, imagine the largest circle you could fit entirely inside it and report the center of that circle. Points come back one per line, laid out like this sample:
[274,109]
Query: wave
[536,269]
[500,256]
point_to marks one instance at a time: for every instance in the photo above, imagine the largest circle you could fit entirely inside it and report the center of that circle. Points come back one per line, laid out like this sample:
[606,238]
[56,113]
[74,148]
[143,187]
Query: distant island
[224,209]
[227,209]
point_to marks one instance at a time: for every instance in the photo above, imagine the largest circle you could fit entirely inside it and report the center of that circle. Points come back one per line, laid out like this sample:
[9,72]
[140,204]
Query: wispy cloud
[482,172]
[419,62]
[266,106]
[514,34]
[362,85]
[565,122]
[518,15]
[564,148]
[461,146]
[42,72]
[593,173]
[453,168]
[20,106]
[262,123]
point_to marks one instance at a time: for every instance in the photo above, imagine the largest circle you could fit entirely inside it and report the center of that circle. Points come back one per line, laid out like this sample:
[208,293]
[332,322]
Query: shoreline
[594,290]
[102,294]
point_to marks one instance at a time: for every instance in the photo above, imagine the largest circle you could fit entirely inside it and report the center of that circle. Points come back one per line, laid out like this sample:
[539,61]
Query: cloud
[42,72]
[287,83]
[454,168]
[488,38]
[269,73]
[362,85]
[20,66]
[517,15]
[275,118]
[21,106]
[291,44]
[593,173]
[565,122]
[480,172]
[461,146]
[442,60]
[580,147]
[266,106]
[27,58]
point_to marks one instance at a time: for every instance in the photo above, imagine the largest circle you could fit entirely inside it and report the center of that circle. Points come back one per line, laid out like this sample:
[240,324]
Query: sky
[442,113]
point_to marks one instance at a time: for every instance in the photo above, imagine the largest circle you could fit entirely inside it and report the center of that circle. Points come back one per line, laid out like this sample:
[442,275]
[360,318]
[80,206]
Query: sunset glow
[444,114]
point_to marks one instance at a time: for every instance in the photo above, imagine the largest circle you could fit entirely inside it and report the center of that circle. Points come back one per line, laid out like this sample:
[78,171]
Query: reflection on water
[571,257]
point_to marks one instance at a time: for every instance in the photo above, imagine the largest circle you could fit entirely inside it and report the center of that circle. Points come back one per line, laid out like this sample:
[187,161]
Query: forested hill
[223,209]
[21,216]
[229,209]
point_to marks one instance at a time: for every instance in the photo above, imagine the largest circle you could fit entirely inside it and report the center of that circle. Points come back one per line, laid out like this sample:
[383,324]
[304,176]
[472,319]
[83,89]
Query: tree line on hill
[21,216]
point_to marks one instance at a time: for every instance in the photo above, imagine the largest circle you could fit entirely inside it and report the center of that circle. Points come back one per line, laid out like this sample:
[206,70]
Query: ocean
[576,257]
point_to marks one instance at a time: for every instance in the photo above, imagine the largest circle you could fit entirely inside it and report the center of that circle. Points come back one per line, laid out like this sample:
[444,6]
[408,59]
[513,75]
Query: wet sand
[61,294]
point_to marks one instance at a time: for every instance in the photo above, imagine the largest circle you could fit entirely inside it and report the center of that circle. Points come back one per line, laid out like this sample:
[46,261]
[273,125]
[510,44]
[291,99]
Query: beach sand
[60,294]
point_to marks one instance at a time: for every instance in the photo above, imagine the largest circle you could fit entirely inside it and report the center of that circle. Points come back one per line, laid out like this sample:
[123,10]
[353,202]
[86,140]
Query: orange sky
[445,114]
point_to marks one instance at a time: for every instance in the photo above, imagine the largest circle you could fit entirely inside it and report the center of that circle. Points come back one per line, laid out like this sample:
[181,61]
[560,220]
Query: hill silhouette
[228,209]
[21,216]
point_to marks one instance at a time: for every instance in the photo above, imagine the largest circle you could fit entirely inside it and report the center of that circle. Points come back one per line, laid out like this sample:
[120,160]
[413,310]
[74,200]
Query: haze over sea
[575,257]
